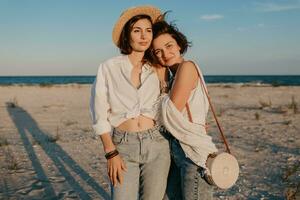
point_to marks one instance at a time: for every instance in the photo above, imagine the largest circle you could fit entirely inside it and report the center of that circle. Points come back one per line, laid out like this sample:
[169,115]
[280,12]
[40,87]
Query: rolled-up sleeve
[99,106]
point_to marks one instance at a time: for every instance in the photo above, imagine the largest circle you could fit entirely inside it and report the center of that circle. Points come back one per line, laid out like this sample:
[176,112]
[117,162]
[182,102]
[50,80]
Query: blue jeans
[147,157]
[185,178]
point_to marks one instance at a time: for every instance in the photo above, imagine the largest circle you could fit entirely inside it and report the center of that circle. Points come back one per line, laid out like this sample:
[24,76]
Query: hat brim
[151,11]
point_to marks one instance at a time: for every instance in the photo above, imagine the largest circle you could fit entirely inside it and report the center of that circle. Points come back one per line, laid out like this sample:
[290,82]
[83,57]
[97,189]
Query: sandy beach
[48,151]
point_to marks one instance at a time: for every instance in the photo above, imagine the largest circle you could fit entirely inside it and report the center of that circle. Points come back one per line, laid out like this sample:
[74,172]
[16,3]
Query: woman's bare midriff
[139,123]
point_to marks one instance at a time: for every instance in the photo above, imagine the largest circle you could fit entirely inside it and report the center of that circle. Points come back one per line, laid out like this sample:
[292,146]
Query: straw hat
[152,11]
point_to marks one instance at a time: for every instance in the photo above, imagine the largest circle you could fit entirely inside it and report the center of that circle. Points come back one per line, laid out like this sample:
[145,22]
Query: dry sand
[47,150]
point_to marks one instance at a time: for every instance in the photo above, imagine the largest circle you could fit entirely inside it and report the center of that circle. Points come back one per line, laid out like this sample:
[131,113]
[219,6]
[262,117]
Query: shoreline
[88,84]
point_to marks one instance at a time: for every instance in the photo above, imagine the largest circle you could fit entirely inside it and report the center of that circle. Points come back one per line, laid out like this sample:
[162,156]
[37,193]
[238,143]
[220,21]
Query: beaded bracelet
[111,154]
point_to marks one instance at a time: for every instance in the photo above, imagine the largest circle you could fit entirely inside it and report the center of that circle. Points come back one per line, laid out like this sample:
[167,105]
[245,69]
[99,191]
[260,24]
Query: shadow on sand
[27,125]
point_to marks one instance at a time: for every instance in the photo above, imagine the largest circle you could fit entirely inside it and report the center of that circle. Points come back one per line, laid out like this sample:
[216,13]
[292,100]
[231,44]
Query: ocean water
[228,79]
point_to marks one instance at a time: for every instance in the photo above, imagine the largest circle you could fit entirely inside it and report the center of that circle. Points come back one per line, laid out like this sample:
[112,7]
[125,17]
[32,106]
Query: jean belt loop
[140,136]
[126,136]
[148,133]
[123,136]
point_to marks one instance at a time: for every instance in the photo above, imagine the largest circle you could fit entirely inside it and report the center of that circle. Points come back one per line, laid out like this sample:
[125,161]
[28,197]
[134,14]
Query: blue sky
[71,37]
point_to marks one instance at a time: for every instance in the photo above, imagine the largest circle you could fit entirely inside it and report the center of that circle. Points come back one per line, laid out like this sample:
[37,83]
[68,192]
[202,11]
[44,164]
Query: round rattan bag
[222,170]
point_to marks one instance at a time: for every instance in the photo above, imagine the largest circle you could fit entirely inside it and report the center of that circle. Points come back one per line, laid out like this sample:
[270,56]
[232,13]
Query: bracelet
[111,154]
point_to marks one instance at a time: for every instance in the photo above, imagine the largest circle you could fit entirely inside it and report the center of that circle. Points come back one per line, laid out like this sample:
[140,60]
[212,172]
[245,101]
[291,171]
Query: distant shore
[87,84]
[274,80]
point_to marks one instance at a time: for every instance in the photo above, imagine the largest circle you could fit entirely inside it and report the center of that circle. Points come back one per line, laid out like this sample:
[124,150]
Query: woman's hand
[115,165]
[115,169]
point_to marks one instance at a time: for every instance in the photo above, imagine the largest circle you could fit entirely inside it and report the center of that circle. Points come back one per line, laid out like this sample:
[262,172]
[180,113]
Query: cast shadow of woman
[26,124]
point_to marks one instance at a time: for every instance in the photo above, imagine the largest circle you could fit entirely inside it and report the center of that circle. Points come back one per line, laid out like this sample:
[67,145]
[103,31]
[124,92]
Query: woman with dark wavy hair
[183,114]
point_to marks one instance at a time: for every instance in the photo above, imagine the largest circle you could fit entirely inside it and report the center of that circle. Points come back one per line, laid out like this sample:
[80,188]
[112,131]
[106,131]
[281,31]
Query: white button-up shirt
[114,99]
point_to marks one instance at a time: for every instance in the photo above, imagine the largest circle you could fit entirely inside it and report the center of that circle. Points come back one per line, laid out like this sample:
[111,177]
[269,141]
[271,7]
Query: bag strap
[213,111]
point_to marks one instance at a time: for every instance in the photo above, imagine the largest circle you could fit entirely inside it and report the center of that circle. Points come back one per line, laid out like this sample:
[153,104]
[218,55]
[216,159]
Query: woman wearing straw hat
[123,107]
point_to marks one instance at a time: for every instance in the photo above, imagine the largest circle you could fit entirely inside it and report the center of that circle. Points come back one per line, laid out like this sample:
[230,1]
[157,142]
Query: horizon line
[2,76]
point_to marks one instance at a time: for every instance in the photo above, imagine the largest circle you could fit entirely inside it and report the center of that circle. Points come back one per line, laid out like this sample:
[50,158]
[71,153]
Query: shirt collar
[145,66]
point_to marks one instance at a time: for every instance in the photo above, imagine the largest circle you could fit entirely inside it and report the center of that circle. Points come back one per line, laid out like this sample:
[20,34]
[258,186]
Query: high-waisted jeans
[185,180]
[147,157]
